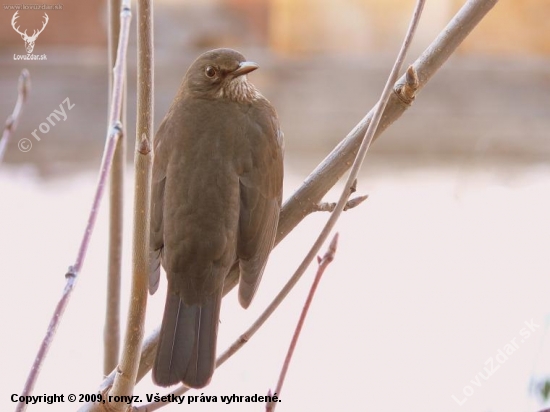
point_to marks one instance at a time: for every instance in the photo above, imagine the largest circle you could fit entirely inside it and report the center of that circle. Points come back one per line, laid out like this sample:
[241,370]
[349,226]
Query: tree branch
[125,377]
[323,264]
[111,331]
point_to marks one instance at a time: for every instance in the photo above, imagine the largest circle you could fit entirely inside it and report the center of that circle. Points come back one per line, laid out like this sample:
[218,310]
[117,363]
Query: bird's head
[221,73]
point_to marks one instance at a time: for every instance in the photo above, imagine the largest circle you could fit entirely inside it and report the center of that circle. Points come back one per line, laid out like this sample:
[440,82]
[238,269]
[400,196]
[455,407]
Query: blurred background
[436,272]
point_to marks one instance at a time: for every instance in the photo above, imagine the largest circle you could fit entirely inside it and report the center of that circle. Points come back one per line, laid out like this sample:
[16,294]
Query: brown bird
[216,197]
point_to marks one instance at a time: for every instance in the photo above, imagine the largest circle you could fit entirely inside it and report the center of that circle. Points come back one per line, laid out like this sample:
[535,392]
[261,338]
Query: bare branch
[329,207]
[127,370]
[323,264]
[114,133]
[23,88]
[111,332]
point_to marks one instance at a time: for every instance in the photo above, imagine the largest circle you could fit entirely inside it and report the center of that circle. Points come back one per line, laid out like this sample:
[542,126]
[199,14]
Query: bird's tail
[187,344]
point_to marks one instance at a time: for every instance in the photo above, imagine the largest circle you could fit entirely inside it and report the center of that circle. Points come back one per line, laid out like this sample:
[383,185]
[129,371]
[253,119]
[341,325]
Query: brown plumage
[216,197]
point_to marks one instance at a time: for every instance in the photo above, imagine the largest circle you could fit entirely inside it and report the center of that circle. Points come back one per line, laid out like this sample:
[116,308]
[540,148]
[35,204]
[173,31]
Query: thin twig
[23,88]
[111,331]
[327,173]
[127,370]
[329,207]
[323,264]
[114,133]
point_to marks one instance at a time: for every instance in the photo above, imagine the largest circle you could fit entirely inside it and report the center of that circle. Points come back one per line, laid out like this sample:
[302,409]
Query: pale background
[435,272]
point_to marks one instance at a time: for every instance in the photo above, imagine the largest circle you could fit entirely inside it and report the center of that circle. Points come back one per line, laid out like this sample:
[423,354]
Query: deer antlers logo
[29,40]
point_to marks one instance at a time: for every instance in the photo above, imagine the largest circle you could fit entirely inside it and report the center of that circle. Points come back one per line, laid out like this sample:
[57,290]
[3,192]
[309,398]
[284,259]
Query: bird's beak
[244,68]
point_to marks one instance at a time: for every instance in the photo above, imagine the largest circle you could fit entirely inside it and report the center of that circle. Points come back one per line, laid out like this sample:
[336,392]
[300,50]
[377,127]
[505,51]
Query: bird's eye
[210,71]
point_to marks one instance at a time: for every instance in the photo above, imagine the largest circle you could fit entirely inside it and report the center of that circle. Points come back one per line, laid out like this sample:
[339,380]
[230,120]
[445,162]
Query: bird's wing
[156,235]
[260,204]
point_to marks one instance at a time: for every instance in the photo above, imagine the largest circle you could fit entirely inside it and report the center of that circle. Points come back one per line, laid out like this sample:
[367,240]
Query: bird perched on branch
[215,202]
